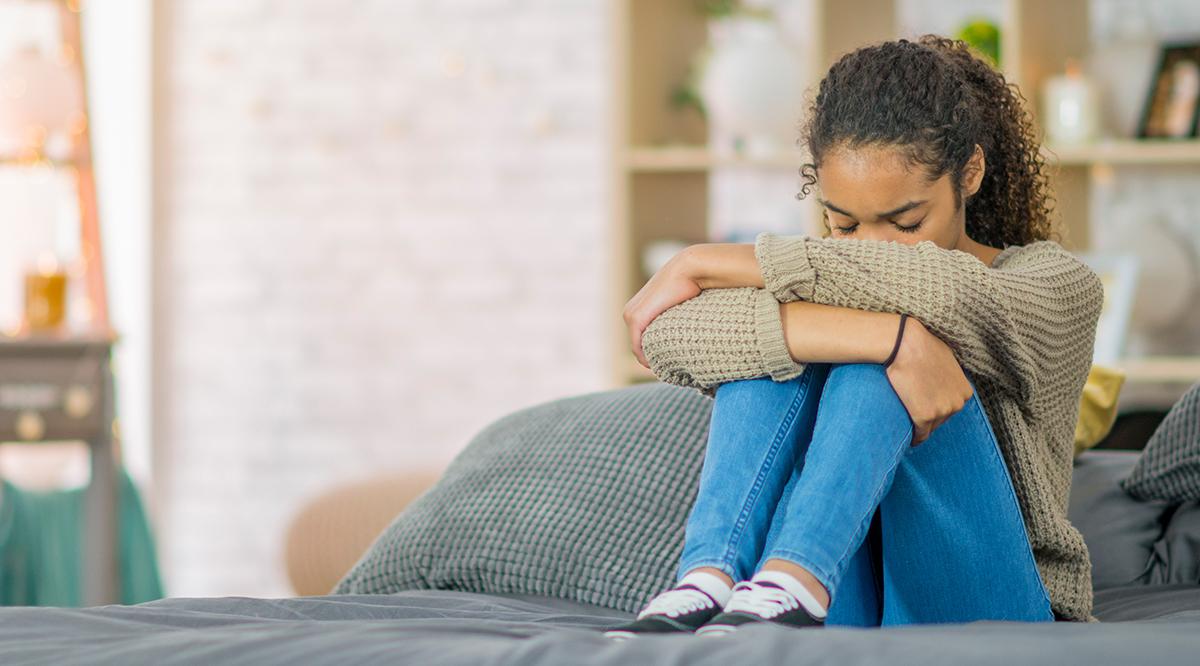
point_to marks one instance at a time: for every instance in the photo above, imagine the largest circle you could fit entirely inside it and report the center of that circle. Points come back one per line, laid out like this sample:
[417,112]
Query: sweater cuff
[786,270]
[772,345]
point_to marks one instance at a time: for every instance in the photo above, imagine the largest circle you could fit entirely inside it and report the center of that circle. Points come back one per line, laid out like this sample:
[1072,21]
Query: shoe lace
[673,603]
[761,600]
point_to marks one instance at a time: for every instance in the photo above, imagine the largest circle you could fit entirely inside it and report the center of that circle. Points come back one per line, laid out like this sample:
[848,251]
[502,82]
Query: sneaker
[759,601]
[680,609]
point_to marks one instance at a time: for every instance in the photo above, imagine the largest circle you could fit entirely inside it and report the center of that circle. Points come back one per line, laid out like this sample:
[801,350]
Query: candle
[45,296]
[1069,107]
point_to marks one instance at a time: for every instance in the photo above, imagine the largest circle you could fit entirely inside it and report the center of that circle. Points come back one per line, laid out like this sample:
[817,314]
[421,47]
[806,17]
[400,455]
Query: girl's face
[872,192]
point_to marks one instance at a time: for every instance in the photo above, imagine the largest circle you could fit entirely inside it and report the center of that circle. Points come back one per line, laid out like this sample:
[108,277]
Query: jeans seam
[864,523]
[739,526]
[994,451]
[842,561]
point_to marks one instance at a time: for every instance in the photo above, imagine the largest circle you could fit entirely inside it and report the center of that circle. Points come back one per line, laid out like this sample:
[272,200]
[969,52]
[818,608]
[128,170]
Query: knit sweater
[1024,328]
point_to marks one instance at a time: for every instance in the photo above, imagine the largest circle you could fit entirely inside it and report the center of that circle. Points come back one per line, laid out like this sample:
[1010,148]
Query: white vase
[753,87]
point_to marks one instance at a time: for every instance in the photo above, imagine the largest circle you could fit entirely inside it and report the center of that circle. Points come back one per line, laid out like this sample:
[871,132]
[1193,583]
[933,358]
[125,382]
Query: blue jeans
[820,471]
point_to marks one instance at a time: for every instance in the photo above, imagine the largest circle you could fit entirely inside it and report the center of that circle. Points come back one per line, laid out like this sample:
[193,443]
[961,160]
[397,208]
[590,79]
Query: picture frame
[1172,106]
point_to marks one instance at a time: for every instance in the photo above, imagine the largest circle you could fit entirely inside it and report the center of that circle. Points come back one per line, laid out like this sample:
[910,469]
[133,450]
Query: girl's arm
[744,333]
[988,316]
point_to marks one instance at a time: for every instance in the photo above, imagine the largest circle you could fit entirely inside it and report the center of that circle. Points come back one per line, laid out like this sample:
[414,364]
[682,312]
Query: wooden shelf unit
[1125,152]
[661,163]
[1183,370]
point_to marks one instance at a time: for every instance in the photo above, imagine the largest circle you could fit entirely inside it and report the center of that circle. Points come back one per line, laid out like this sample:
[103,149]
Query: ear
[973,172]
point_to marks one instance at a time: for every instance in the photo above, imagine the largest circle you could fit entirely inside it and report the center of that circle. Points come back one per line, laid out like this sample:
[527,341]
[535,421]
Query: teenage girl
[894,404]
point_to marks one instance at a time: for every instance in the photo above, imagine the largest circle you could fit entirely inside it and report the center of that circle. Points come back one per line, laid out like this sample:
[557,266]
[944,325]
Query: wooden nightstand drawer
[51,392]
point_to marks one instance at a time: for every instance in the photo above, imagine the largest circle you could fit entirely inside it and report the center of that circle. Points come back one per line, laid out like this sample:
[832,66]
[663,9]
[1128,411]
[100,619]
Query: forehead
[873,178]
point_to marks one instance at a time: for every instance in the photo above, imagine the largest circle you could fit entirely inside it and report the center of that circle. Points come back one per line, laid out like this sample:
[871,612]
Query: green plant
[984,36]
[686,94]
[720,9]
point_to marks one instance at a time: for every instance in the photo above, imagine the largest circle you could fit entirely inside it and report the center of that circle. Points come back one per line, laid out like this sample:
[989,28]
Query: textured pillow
[583,498]
[1169,467]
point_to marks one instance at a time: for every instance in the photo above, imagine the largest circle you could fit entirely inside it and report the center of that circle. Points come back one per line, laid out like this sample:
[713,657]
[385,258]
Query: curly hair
[935,100]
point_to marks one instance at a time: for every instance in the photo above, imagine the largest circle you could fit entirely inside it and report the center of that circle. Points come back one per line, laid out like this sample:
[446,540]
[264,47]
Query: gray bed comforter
[1145,566]
[1142,625]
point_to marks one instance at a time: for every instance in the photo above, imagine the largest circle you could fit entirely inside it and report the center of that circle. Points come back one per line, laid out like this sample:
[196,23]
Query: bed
[453,627]
[562,519]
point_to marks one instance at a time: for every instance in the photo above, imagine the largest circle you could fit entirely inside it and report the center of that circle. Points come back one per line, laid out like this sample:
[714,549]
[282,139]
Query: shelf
[1162,369]
[11,161]
[1125,151]
[58,339]
[699,158]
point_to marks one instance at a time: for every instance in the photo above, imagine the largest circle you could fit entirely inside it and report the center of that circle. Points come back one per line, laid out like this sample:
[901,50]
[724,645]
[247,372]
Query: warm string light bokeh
[44,132]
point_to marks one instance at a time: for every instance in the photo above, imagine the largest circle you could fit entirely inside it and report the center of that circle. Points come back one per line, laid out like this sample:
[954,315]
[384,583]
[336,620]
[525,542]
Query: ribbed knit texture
[1024,328]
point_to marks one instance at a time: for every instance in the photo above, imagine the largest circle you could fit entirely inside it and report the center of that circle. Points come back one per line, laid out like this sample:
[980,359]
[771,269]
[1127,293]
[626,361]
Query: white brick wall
[384,226]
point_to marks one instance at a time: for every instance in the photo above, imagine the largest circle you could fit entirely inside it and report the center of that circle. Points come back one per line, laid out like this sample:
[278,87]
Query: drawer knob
[77,401]
[31,427]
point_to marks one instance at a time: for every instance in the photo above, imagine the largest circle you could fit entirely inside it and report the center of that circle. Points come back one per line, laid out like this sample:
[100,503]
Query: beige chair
[333,530]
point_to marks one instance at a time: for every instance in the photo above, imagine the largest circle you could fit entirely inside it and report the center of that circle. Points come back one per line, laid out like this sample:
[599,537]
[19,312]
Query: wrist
[901,324]
[911,342]
[689,265]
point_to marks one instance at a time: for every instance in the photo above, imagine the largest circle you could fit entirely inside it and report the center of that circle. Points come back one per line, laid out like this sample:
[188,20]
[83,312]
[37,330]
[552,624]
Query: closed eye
[912,228]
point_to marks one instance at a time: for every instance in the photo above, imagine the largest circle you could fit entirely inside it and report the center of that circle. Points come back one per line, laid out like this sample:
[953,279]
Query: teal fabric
[42,545]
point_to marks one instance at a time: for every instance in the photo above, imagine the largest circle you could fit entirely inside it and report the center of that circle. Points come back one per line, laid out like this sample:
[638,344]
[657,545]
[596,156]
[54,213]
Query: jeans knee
[859,373]
[758,384]
[864,384]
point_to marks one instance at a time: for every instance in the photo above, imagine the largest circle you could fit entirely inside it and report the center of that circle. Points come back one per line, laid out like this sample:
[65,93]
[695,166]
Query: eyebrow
[895,211]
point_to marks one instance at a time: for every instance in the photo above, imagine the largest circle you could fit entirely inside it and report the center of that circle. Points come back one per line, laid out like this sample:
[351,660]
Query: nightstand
[56,388]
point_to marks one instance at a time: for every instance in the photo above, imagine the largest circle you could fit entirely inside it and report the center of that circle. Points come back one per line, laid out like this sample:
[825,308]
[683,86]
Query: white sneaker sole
[715,630]
[619,635]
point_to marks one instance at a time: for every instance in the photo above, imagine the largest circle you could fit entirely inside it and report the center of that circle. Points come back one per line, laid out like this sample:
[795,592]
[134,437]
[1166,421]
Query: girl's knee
[859,373]
[745,386]
[864,384]
[759,384]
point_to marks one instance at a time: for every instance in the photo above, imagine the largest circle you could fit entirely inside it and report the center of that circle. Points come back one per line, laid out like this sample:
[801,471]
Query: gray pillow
[1169,467]
[1177,553]
[1121,532]
[582,498]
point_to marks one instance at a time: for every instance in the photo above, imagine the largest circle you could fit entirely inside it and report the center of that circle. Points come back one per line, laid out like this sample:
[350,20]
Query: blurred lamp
[40,99]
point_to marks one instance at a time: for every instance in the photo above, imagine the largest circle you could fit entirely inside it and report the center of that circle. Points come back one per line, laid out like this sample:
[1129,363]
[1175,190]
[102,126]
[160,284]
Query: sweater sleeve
[718,336]
[1002,323]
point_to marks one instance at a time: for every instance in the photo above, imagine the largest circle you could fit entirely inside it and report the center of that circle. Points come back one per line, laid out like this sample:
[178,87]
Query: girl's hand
[928,379]
[671,285]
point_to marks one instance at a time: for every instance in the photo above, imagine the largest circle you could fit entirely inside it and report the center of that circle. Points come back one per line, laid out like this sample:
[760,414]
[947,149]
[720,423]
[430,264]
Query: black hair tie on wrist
[899,336]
